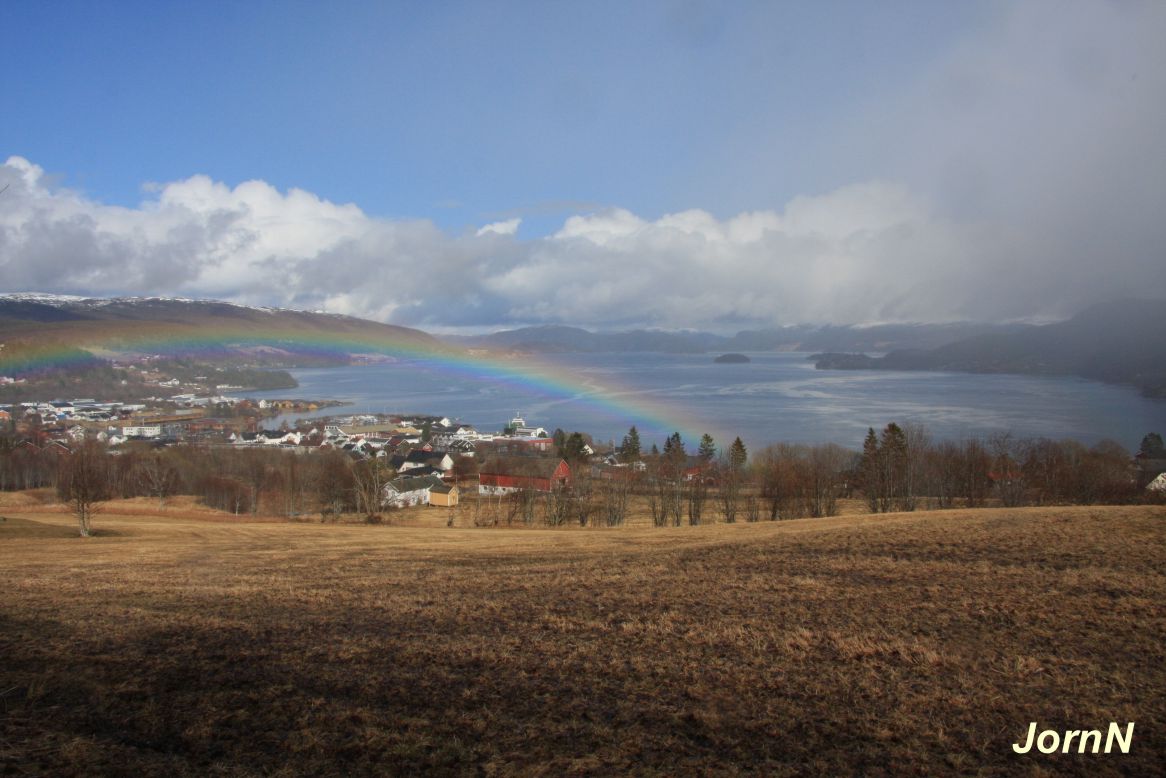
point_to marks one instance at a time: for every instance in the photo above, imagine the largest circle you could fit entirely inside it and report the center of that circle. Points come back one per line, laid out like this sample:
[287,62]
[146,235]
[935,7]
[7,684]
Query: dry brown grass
[31,499]
[859,645]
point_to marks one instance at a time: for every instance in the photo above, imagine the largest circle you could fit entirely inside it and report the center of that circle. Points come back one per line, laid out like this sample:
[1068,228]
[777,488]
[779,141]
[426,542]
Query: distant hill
[879,337]
[35,328]
[732,359]
[557,338]
[1117,342]
[884,337]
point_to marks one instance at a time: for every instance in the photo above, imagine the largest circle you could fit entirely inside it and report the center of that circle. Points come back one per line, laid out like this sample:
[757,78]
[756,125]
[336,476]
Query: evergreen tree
[707,449]
[737,455]
[893,456]
[1152,447]
[871,470]
[629,450]
[572,449]
[670,478]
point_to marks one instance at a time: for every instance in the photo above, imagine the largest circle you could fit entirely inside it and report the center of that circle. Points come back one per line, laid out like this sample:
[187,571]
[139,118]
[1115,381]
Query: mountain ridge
[1119,342]
[1122,341]
[33,325]
[556,338]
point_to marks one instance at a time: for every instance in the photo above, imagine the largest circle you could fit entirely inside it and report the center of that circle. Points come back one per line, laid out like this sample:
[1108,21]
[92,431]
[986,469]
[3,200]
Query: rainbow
[554,381]
[559,383]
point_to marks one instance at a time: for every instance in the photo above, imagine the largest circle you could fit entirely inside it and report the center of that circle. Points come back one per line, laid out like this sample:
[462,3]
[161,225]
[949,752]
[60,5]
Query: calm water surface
[776,397]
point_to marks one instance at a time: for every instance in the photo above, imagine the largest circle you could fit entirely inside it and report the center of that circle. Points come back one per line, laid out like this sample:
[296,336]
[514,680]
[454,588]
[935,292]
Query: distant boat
[725,359]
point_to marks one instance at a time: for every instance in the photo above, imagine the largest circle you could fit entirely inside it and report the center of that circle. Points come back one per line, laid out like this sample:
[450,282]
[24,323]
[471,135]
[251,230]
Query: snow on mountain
[43,298]
[76,301]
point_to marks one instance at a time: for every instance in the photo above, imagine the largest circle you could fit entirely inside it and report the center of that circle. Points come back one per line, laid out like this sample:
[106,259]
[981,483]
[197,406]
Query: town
[427,454]
[361,467]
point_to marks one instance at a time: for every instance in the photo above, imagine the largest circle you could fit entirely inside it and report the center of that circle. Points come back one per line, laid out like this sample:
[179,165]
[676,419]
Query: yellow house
[444,495]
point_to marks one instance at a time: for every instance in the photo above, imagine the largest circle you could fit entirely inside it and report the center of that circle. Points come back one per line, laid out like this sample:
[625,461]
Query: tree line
[899,468]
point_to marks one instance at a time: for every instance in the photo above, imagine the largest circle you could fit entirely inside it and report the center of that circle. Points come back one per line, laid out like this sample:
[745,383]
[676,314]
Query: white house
[405,491]
[152,431]
[520,429]
[418,458]
[289,438]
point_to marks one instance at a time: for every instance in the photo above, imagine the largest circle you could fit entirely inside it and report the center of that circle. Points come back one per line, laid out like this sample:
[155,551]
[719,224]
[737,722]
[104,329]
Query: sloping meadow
[898,644]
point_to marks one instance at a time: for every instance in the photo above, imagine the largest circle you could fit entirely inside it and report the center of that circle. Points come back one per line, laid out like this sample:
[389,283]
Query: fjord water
[775,397]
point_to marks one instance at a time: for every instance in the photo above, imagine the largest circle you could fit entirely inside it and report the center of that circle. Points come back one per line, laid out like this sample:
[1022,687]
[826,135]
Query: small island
[731,359]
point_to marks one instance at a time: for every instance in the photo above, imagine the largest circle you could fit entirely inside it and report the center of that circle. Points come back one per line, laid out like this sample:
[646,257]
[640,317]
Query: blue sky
[667,149]
[459,111]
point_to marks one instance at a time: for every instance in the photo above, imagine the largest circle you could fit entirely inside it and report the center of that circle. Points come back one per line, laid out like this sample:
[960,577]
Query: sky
[474,166]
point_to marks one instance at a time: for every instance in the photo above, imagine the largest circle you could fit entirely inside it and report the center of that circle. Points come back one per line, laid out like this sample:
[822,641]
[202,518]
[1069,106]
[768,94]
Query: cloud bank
[865,252]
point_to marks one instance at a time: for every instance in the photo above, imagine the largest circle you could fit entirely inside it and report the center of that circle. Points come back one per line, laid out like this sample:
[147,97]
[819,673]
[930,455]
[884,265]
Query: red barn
[538,474]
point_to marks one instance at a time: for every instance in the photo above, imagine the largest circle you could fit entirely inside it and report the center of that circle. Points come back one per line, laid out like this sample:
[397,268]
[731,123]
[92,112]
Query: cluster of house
[498,477]
[73,410]
[175,419]
[423,452]
[69,421]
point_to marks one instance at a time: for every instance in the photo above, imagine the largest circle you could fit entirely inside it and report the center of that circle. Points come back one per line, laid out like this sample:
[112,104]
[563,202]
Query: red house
[538,474]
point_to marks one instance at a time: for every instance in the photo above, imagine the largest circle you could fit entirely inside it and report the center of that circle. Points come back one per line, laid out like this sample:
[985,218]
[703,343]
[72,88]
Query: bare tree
[583,495]
[799,480]
[823,482]
[918,441]
[557,505]
[613,496]
[256,473]
[944,472]
[975,473]
[778,470]
[464,467]
[698,491]
[752,509]
[666,490]
[157,477]
[296,484]
[335,486]
[729,493]
[84,482]
[1006,472]
[369,479]
[521,505]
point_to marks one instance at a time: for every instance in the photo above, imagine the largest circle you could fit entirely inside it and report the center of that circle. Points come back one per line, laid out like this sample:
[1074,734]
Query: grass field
[190,643]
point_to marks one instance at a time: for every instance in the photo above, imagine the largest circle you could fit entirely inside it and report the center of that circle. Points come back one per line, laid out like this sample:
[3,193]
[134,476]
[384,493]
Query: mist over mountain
[808,338]
[1119,342]
[563,339]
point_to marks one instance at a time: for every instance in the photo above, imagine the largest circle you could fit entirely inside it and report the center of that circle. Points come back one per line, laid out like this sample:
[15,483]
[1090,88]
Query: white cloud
[508,227]
[864,252]
[602,228]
